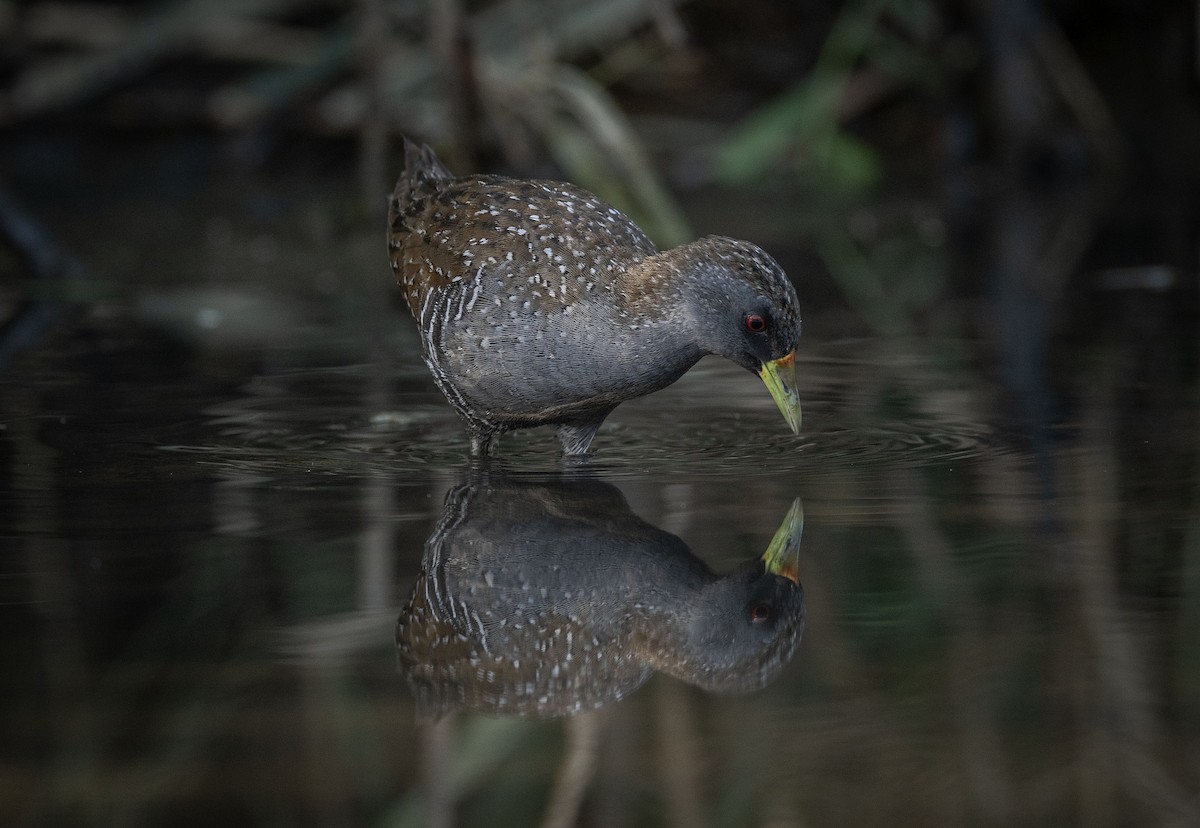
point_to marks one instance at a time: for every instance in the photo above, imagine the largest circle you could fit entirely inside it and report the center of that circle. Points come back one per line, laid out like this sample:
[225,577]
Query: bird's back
[549,243]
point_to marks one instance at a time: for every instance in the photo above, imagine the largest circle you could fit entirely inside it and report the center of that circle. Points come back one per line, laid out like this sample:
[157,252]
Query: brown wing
[561,239]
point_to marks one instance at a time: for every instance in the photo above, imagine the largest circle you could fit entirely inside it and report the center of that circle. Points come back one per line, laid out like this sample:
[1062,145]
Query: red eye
[755,323]
[760,613]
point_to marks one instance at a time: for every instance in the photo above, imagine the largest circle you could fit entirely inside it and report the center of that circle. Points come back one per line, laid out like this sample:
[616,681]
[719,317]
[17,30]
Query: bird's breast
[520,354]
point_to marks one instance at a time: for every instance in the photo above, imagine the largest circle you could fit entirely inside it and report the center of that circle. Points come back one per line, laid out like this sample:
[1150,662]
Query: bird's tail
[421,166]
[421,169]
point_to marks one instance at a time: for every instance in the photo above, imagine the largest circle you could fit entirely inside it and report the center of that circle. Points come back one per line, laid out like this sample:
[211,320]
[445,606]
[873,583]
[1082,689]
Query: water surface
[206,551]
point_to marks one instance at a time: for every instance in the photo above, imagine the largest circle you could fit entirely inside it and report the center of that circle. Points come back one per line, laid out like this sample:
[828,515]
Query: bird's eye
[755,323]
[760,613]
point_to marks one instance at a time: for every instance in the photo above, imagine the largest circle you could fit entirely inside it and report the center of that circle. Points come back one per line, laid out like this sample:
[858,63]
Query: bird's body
[538,303]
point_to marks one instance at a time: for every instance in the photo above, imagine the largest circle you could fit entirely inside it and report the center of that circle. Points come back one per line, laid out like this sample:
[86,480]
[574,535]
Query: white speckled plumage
[538,303]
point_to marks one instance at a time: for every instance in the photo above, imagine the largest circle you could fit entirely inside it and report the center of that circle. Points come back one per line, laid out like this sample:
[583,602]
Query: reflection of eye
[755,323]
[760,613]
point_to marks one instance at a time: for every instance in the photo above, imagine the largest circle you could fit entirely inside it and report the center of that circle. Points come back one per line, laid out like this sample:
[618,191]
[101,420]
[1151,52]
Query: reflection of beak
[780,379]
[783,555]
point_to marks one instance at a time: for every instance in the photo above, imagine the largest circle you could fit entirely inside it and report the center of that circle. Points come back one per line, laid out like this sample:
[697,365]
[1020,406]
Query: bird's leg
[577,437]
[483,443]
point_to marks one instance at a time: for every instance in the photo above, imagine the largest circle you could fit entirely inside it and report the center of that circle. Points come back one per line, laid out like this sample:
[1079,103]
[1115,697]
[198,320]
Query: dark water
[207,544]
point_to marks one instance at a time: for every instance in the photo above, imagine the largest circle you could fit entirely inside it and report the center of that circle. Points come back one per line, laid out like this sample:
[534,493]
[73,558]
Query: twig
[65,81]
[372,135]
[1077,90]
[576,770]
[678,752]
[44,259]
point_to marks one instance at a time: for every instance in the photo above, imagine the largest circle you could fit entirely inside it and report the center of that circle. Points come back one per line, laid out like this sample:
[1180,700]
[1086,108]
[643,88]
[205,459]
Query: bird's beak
[780,379]
[783,555]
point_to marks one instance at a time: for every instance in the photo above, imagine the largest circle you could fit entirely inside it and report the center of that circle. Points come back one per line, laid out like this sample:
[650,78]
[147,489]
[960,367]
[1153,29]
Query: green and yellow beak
[783,555]
[780,378]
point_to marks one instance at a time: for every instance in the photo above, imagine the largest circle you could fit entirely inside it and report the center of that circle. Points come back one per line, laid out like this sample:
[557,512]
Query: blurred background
[221,456]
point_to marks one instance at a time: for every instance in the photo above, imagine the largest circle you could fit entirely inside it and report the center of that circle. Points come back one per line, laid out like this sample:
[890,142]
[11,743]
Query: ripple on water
[717,421]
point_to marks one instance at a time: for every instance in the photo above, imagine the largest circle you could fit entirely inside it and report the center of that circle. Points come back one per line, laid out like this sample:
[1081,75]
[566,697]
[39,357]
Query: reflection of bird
[540,304]
[549,599]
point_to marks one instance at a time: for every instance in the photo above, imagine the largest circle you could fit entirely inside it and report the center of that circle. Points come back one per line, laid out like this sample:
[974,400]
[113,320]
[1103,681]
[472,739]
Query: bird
[550,597]
[538,303]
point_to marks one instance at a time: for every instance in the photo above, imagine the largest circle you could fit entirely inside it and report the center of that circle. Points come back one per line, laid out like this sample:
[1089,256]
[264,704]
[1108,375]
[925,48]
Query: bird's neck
[668,284]
[653,289]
